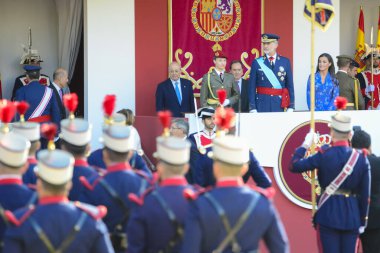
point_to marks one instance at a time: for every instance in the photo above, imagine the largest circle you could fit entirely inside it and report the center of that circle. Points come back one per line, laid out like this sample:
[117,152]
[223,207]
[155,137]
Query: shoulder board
[269,192]
[323,148]
[96,212]
[139,200]
[87,184]
[193,194]
[17,222]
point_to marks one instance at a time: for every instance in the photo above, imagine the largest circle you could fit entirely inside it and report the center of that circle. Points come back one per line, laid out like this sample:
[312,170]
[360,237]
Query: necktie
[61,94]
[271,58]
[177,92]
[221,76]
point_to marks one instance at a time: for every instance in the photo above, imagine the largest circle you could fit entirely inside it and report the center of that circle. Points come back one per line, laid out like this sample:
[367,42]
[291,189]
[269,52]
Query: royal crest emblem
[216,20]
[297,187]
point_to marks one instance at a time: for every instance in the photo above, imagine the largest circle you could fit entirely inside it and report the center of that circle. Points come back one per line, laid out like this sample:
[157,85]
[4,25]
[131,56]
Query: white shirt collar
[218,72]
[274,56]
[342,71]
[56,86]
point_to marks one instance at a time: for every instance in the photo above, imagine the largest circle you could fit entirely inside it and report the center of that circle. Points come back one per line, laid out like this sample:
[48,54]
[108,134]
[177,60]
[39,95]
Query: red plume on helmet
[224,118]
[22,107]
[165,119]
[109,105]
[71,103]
[222,95]
[48,131]
[7,112]
[340,103]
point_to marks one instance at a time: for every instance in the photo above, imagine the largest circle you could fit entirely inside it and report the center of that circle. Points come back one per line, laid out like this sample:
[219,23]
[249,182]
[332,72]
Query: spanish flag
[360,48]
[324,12]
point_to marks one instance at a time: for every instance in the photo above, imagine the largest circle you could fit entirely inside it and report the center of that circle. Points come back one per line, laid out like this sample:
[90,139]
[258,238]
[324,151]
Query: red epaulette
[193,194]
[323,148]
[87,184]
[365,152]
[266,192]
[139,200]
[17,222]
[96,212]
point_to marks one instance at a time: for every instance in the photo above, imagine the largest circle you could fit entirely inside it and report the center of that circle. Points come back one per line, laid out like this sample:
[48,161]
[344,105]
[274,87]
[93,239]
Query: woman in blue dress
[326,84]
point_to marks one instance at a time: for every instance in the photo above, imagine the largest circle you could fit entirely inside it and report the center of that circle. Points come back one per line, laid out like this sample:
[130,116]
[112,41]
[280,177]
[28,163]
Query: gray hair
[183,124]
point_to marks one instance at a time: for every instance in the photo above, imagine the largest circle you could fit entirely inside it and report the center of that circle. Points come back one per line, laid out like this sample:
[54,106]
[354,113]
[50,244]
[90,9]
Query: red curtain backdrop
[199,27]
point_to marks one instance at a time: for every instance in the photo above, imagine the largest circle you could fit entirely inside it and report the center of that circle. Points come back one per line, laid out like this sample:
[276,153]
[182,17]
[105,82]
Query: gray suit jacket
[347,90]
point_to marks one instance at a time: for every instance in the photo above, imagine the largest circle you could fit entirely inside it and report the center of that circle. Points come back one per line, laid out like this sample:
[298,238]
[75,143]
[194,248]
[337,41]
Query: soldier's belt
[212,101]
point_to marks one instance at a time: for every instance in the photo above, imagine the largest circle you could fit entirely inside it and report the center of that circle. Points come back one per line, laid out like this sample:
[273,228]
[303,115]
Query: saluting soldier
[55,224]
[271,80]
[348,86]
[344,176]
[232,217]
[156,224]
[111,189]
[217,79]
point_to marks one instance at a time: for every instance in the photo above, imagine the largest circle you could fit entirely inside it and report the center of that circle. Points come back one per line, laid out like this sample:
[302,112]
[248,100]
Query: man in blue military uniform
[31,131]
[344,176]
[370,237]
[156,225]
[43,105]
[271,80]
[13,161]
[75,139]
[112,188]
[135,160]
[55,224]
[232,217]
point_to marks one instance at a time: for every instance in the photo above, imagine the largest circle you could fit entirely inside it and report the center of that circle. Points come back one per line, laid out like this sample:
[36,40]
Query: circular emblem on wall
[297,187]
[216,20]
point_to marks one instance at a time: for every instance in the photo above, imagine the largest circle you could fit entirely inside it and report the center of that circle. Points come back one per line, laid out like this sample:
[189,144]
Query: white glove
[290,110]
[253,111]
[309,139]
[361,229]
[226,102]
[370,88]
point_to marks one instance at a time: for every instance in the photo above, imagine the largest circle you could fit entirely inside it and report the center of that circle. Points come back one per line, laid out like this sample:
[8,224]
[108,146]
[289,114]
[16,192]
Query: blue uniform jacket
[57,217]
[33,93]
[267,103]
[123,181]
[137,162]
[201,170]
[166,98]
[339,212]
[13,195]
[81,168]
[204,230]
[30,177]
[149,228]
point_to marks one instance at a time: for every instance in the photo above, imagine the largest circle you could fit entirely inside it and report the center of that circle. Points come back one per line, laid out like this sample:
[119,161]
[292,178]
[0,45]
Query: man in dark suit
[60,88]
[175,94]
[371,235]
[236,69]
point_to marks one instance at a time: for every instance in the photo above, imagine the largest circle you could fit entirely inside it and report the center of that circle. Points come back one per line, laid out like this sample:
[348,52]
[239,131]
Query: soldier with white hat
[13,162]
[344,176]
[156,223]
[55,224]
[112,188]
[232,216]
[75,138]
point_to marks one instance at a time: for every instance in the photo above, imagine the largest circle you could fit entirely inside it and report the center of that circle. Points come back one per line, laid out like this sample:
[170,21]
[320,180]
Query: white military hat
[14,149]
[55,166]
[118,138]
[77,132]
[230,149]
[29,130]
[173,150]
[340,122]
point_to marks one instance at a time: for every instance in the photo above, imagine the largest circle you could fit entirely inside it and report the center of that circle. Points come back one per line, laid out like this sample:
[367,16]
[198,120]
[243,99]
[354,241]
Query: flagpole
[371,51]
[312,105]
